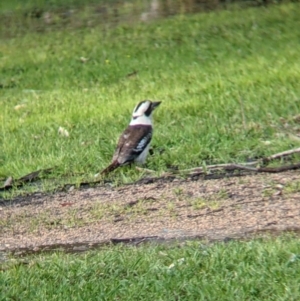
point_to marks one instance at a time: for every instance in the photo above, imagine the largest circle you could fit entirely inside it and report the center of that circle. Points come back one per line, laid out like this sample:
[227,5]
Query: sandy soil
[212,209]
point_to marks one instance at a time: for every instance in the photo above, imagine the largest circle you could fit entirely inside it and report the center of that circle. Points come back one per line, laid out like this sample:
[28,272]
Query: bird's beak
[155,104]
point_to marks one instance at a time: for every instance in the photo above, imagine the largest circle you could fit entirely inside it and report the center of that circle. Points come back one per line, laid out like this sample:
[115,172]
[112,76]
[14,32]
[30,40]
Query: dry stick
[282,154]
[243,166]
[31,177]
[232,167]
[193,171]
[246,166]
[229,167]
[144,169]
[279,169]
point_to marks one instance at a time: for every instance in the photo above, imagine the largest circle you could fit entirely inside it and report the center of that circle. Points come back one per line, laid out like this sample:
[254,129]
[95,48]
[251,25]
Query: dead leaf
[83,59]
[9,181]
[20,106]
[63,132]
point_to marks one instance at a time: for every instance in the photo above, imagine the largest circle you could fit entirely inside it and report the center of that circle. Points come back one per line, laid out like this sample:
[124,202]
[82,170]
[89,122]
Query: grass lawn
[228,82]
[229,86]
[262,269]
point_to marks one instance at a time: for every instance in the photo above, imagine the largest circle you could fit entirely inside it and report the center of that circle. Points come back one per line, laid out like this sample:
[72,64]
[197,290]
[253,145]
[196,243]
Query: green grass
[262,269]
[228,82]
[14,5]
[18,17]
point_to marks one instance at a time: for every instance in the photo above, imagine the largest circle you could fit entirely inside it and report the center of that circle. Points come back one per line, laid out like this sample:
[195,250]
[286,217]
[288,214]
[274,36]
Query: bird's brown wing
[132,143]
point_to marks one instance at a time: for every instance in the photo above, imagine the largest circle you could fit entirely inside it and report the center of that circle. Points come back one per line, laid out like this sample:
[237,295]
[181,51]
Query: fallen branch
[279,169]
[246,166]
[31,177]
[233,167]
[228,170]
[281,155]
[209,168]
[208,172]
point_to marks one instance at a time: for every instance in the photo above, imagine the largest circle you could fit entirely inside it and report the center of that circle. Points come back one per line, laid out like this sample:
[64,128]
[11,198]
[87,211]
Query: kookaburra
[134,143]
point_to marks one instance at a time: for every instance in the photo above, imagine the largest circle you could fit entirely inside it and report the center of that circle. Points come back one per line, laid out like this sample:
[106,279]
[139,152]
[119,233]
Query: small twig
[246,166]
[144,169]
[279,169]
[280,155]
[240,166]
[226,166]
[31,177]
[219,173]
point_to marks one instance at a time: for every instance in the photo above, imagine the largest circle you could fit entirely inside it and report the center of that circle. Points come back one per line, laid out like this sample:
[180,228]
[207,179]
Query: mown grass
[262,269]
[13,5]
[229,83]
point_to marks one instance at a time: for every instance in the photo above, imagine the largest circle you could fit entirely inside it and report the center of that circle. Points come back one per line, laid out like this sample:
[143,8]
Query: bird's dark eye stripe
[149,110]
[137,107]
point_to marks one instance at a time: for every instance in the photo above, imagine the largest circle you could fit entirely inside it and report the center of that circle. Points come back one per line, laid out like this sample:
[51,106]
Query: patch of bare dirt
[212,209]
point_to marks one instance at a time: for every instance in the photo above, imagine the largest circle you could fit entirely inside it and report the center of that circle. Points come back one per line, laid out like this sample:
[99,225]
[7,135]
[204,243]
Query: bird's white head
[142,113]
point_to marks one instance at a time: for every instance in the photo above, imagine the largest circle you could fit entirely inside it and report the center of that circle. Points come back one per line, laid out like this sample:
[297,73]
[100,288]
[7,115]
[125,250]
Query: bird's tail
[110,168]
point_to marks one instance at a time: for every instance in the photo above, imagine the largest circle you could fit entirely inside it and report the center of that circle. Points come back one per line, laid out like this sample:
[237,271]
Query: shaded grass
[14,5]
[229,82]
[262,269]
[19,17]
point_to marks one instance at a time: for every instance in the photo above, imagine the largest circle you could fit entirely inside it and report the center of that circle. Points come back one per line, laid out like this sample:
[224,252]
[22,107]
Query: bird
[133,144]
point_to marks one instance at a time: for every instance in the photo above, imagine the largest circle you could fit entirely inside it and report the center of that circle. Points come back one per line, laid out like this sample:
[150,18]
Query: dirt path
[213,209]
